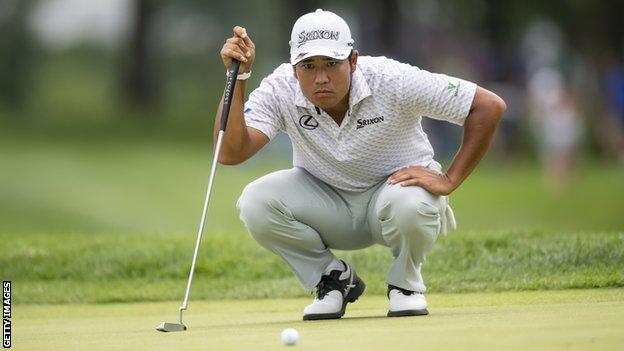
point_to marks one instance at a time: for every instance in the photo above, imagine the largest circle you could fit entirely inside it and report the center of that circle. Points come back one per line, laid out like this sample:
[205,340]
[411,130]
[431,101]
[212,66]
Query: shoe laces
[329,283]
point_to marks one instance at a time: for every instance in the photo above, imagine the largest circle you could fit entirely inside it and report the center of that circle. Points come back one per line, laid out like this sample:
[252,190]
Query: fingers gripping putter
[229,91]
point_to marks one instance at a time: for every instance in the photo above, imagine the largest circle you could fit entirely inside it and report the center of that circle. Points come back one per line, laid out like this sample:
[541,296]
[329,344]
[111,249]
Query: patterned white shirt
[381,131]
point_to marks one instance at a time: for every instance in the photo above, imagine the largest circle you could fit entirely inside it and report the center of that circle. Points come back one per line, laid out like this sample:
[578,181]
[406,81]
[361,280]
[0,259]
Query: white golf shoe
[333,292]
[405,302]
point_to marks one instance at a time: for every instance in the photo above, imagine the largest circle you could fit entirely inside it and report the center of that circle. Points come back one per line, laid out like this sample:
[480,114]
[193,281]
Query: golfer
[363,169]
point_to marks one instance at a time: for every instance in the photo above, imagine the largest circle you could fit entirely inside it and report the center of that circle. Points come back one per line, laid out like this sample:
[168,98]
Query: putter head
[171,327]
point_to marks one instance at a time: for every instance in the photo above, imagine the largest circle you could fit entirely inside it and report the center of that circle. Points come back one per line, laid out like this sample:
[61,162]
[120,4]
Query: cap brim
[338,54]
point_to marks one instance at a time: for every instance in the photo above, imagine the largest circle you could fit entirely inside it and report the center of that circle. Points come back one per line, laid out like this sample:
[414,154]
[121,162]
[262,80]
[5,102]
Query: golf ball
[290,336]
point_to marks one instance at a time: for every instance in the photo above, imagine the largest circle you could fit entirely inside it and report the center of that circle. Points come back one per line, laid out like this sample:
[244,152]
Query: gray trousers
[300,218]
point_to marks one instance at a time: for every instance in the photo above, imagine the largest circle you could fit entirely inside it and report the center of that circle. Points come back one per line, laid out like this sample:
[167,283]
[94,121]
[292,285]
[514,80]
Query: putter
[229,91]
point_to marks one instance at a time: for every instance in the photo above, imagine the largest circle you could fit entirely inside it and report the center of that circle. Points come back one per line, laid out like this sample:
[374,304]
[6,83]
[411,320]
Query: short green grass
[111,215]
[552,320]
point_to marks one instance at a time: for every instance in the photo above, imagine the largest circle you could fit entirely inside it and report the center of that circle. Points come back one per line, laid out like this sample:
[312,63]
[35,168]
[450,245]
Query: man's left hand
[432,181]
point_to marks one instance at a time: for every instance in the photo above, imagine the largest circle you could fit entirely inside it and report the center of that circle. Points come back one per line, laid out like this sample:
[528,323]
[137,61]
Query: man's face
[325,81]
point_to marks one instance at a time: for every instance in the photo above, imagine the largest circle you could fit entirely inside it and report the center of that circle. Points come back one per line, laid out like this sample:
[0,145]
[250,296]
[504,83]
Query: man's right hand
[239,47]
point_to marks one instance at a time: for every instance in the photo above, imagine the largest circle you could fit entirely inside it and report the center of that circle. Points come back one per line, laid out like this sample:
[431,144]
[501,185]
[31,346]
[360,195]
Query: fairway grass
[537,320]
[86,268]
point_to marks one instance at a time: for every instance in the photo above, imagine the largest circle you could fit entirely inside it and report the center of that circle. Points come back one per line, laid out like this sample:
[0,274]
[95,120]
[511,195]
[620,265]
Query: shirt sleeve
[437,96]
[262,109]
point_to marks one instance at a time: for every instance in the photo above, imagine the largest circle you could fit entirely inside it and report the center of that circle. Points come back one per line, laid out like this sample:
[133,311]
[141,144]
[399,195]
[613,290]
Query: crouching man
[363,169]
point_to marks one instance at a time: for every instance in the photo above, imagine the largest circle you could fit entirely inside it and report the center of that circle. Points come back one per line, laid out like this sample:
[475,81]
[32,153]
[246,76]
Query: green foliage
[121,267]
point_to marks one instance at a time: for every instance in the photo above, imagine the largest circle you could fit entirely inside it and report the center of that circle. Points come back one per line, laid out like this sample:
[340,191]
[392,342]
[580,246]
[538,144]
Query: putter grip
[229,92]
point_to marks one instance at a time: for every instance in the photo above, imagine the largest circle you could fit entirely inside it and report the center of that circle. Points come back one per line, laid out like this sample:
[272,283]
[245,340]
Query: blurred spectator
[556,125]
[613,126]
[554,116]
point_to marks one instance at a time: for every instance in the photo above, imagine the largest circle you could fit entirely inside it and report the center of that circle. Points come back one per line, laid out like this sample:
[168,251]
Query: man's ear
[354,58]
[295,71]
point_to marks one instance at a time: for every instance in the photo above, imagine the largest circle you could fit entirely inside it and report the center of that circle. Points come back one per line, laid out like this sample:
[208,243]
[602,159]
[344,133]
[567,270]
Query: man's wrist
[240,76]
[452,181]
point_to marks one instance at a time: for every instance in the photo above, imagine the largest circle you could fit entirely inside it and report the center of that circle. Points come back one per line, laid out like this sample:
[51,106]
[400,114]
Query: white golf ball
[290,336]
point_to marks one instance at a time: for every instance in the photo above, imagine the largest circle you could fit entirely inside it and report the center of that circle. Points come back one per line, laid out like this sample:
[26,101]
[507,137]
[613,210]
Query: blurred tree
[496,32]
[140,76]
[615,15]
[380,30]
[389,27]
[299,8]
[16,46]
[296,9]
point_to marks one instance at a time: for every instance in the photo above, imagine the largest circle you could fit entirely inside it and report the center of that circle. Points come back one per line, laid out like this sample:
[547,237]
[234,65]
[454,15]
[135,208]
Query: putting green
[538,320]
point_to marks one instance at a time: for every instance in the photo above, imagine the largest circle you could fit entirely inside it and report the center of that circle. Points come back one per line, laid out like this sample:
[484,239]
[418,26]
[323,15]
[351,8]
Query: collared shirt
[381,132]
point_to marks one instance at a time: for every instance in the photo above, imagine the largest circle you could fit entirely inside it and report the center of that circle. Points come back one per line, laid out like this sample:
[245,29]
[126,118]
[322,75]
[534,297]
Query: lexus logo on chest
[308,122]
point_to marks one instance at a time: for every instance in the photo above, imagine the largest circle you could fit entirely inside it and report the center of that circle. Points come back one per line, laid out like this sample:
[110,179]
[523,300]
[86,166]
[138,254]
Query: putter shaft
[227,99]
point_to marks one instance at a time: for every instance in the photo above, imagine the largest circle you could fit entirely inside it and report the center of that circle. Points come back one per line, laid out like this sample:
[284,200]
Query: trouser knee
[257,207]
[418,218]
[412,215]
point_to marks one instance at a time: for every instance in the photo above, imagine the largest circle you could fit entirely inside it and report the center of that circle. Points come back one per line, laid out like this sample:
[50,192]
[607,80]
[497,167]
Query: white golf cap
[320,33]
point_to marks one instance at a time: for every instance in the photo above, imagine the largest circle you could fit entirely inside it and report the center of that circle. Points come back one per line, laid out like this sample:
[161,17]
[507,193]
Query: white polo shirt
[382,130]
